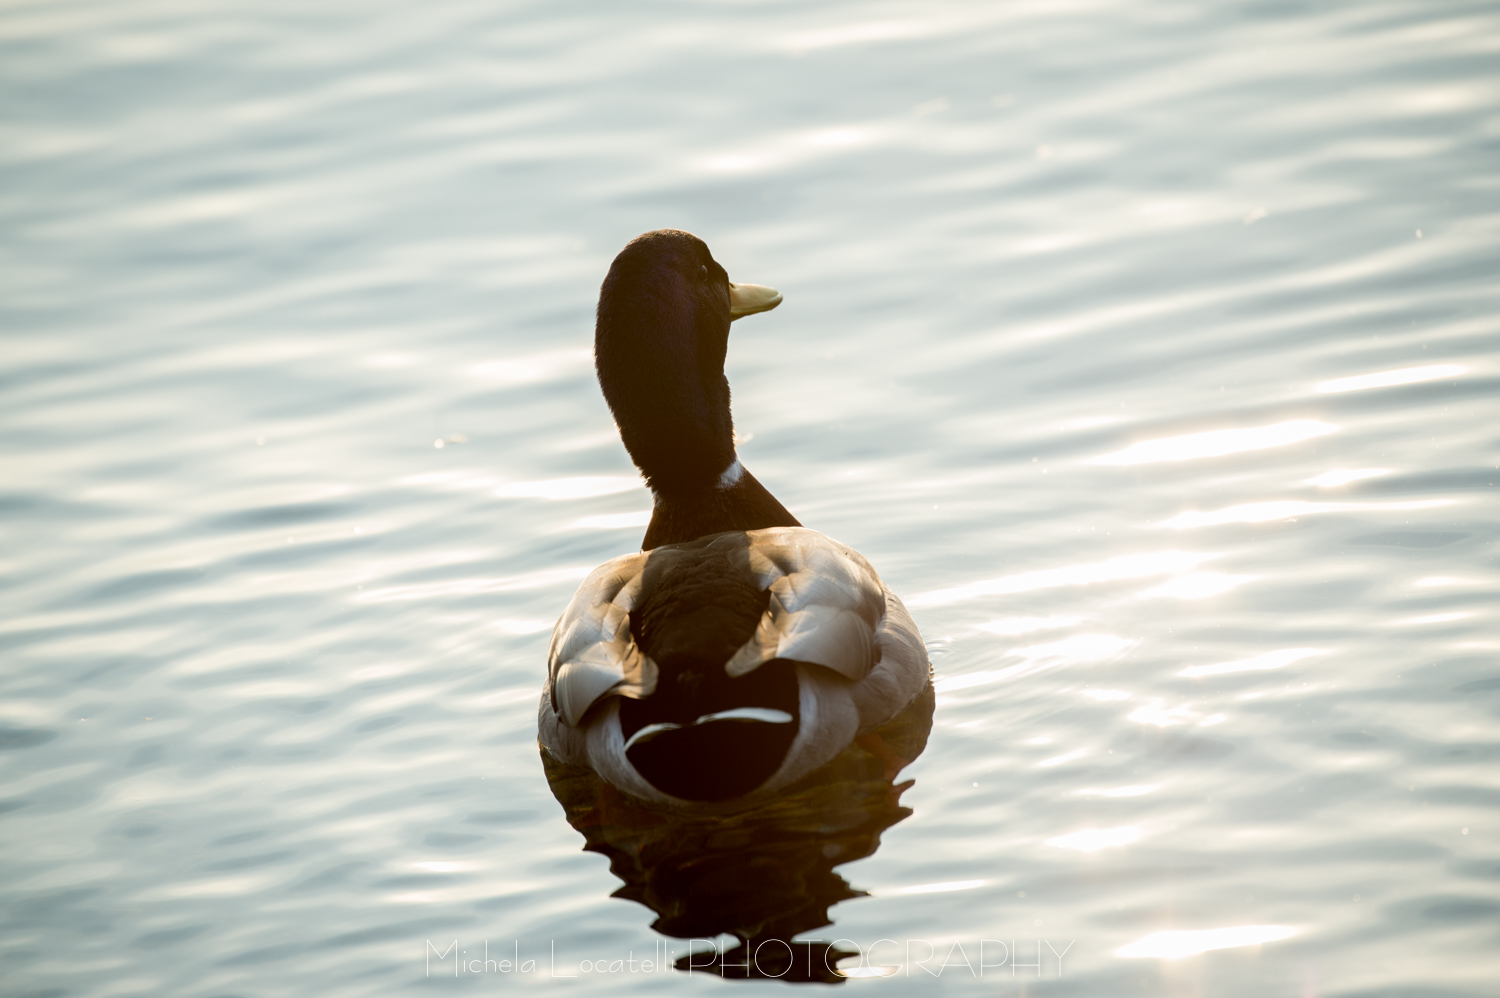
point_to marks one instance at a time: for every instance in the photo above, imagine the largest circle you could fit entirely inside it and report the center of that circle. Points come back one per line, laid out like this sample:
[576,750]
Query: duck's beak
[747,299]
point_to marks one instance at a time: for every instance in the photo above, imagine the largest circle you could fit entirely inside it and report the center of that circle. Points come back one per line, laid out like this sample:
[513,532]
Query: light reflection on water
[1148,351]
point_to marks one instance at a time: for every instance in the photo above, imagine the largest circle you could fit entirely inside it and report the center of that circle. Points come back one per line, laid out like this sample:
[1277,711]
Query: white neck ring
[732,475]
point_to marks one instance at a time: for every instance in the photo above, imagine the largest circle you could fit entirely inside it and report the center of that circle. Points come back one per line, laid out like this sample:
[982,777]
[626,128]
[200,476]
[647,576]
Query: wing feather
[834,638]
[593,654]
[825,609]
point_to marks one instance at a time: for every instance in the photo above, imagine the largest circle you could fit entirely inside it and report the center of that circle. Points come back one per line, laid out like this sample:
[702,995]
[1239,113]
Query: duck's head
[659,346]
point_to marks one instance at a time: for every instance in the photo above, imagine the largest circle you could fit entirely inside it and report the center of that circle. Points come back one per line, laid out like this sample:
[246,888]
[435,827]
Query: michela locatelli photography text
[770,958]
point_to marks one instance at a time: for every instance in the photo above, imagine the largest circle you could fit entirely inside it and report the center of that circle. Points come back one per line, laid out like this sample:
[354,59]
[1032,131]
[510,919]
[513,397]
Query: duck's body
[738,651]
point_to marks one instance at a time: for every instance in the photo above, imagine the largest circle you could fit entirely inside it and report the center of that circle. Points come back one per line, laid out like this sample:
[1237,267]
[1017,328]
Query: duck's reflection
[763,874]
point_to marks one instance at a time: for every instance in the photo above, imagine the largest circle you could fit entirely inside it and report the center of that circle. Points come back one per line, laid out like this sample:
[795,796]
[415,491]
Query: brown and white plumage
[739,651]
[858,656]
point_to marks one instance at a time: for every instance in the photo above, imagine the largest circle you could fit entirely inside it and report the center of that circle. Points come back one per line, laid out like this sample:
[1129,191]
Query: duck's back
[780,638]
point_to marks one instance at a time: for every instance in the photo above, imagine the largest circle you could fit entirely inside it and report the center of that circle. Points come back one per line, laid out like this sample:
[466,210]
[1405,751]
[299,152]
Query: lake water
[1151,350]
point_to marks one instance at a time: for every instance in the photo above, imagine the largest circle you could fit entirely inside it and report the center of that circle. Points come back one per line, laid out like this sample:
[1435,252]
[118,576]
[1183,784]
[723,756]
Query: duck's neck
[736,501]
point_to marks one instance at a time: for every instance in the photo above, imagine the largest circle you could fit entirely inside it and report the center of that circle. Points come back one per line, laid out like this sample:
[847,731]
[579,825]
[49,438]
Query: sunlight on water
[1126,567]
[613,521]
[1120,791]
[1288,509]
[568,488]
[1198,585]
[1147,351]
[956,885]
[1218,442]
[1179,944]
[1094,839]
[1386,379]
[1269,660]
[1333,479]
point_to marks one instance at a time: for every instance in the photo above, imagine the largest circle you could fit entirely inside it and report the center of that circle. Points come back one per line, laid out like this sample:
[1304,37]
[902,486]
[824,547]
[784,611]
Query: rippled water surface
[1151,350]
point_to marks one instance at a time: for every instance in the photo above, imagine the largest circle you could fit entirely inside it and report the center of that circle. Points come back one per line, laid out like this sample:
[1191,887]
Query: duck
[738,651]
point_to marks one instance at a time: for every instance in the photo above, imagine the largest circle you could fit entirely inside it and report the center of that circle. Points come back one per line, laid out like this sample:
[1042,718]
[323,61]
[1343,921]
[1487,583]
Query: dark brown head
[659,346]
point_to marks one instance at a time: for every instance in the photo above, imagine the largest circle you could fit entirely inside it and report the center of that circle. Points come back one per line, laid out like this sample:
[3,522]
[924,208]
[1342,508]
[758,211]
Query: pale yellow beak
[747,299]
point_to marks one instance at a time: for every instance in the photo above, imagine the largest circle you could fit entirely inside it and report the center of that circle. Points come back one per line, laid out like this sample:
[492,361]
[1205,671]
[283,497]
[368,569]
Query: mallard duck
[738,651]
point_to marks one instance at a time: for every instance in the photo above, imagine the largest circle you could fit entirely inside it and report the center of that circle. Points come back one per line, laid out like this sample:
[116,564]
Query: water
[304,455]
